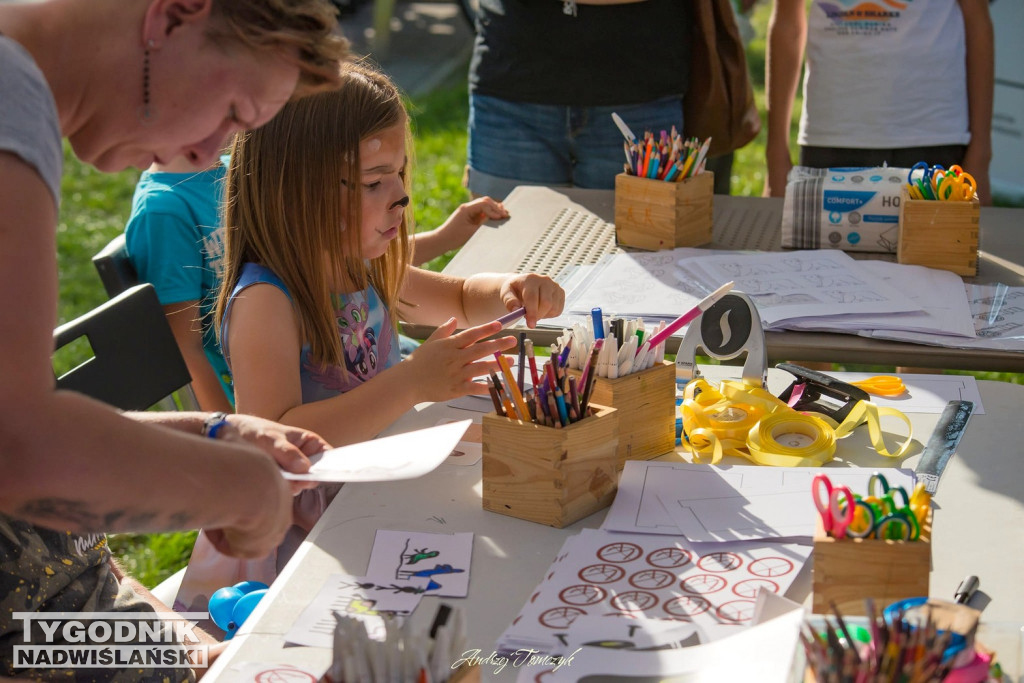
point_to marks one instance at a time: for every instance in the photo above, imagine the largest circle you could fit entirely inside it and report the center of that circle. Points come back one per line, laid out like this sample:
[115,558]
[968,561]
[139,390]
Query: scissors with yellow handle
[881,385]
[956,187]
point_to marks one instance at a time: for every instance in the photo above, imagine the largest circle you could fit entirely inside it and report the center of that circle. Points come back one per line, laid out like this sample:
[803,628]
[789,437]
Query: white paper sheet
[767,653]
[939,294]
[640,284]
[402,456]
[709,503]
[925,393]
[357,596]
[443,560]
[801,284]
[998,314]
[470,448]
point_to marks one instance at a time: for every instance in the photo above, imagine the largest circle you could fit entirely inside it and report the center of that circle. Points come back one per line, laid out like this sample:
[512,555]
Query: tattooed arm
[68,462]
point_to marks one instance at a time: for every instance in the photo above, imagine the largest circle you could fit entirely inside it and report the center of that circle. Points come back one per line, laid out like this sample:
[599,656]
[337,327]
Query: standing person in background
[721,165]
[128,82]
[546,76]
[912,82]
[175,241]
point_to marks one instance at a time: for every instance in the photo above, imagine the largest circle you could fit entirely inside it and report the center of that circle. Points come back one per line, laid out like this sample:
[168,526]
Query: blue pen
[563,413]
[597,316]
[564,355]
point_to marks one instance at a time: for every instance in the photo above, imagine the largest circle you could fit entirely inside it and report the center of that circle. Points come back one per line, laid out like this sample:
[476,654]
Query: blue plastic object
[904,609]
[230,606]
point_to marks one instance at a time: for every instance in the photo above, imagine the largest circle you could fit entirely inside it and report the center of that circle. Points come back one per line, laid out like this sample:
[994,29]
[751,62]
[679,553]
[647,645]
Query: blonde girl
[318,273]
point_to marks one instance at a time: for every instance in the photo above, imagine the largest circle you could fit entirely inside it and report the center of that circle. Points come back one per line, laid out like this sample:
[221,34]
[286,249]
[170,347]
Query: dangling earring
[146,114]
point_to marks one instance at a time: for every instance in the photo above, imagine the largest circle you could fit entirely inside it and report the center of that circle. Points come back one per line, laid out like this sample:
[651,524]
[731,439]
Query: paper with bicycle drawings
[404,556]
[658,577]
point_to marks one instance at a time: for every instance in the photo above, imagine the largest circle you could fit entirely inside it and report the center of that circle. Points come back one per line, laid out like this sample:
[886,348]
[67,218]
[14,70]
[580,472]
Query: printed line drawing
[652,578]
[560,617]
[602,573]
[284,676]
[720,562]
[736,611]
[633,601]
[703,584]
[749,587]
[668,558]
[841,297]
[770,566]
[620,552]
[582,595]
[687,606]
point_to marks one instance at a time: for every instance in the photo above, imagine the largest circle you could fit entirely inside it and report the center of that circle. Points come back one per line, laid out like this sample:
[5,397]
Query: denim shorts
[518,143]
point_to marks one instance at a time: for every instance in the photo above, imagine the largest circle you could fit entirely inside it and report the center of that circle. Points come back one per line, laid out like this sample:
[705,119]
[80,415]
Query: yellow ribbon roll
[746,421]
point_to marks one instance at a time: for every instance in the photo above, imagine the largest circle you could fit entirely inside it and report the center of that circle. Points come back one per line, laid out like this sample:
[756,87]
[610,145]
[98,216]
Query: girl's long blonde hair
[294,201]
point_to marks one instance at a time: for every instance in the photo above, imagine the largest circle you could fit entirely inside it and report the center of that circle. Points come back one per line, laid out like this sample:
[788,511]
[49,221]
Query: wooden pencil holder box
[657,214]
[939,234]
[548,475]
[847,571]
[646,402]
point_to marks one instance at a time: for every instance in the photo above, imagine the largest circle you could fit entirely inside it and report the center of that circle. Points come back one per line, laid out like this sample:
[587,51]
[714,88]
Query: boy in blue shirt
[175,241]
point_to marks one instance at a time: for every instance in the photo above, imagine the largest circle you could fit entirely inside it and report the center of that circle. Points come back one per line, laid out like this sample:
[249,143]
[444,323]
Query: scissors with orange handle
[881,385]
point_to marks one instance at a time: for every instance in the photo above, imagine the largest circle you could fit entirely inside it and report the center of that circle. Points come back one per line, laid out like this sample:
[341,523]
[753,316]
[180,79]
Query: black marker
[965,590]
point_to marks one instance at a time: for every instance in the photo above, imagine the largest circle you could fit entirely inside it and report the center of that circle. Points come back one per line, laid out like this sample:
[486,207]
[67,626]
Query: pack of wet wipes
[853,209]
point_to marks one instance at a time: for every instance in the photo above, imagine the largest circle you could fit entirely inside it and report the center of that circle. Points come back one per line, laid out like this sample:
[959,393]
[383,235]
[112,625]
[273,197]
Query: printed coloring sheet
[656,577]
[403,557]
[798,284]
[645,284]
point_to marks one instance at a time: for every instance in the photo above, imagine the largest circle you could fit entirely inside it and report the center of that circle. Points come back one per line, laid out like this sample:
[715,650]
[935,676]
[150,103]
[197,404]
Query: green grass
[95,207]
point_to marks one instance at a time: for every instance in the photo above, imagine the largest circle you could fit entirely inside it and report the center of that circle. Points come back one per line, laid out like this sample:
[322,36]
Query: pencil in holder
[939,234]
[646,402]
[848,570]
[548,475]
[658,214]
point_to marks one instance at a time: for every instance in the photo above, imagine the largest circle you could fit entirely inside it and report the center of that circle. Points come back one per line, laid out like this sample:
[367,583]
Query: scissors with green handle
[865,518]
[898,524]
[881,518]
[878,487]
